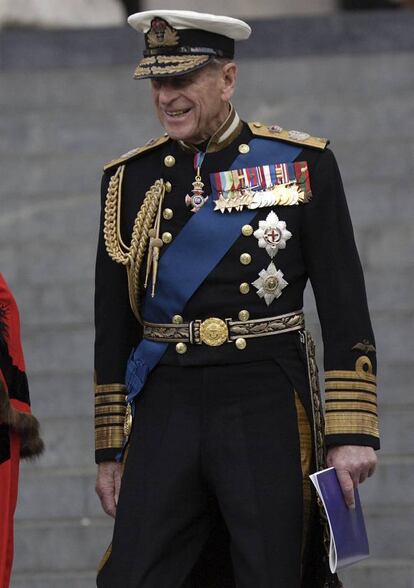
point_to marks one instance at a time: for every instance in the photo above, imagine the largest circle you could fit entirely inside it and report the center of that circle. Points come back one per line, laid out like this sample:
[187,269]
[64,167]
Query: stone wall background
[93,13]
[67,104]
[56,14]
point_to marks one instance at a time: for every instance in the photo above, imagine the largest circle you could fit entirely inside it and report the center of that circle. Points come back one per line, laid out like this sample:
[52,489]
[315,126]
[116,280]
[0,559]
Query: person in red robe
[19,429]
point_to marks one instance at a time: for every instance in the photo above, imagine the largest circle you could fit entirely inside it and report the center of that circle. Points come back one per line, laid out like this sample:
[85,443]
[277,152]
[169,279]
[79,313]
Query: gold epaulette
[295,137]
[151,144]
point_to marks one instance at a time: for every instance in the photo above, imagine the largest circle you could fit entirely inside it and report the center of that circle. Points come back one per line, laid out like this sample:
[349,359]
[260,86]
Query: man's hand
[108,482]
[353,464]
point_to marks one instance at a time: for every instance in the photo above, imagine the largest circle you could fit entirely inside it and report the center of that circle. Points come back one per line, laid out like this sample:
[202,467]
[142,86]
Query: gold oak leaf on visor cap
[180,41]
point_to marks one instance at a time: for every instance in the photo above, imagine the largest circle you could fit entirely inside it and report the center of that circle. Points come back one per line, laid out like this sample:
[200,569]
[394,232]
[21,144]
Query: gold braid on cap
[131,256]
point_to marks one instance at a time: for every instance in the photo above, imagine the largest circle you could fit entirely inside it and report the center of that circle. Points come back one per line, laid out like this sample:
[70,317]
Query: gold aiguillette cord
[155,245]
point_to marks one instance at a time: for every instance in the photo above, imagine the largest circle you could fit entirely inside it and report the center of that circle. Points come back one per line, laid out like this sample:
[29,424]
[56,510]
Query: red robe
[19,430]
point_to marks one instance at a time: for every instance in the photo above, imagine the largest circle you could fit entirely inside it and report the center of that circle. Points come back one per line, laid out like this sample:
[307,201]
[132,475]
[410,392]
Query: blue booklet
[349,541]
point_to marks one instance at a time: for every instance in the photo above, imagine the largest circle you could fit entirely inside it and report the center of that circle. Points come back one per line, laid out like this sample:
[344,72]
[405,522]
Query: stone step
[390,531]
[99,88]
[368,574]
[78,544]
[50,174]
[57,494]
[62,395]
[65,349]
[383,573]
[33,133]
[392,483]
[63,545]
[62,580]
[49,493]
[69,442]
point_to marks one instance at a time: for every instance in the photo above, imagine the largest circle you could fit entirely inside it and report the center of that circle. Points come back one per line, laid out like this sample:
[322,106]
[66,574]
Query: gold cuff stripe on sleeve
[110,409]
[335,385]
[345,395]
[109,439]
[109,432]
[365,424]
[112,420]
[349,375]
[110,398]
[344,406]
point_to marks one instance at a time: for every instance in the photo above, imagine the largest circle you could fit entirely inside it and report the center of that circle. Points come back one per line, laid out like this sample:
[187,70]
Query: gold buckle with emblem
[212,331]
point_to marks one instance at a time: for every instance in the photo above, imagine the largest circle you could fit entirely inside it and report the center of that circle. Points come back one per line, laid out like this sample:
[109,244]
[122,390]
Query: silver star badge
[272,234]
[270,283]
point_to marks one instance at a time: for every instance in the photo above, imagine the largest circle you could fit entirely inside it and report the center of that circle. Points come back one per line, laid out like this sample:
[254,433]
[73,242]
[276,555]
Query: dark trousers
[208,444]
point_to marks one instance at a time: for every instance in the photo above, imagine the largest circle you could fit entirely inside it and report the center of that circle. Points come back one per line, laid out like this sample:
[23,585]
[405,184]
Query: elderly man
[208,237]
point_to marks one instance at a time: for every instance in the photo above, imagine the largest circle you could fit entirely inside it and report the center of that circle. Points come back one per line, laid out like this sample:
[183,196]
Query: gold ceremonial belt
[215,331]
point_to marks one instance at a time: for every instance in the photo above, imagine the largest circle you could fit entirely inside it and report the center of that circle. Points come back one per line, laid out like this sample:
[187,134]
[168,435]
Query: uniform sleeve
[116,333]
[337,280]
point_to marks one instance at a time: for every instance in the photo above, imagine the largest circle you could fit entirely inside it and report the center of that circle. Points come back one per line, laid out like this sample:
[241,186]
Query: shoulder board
[295,137]
[151,144]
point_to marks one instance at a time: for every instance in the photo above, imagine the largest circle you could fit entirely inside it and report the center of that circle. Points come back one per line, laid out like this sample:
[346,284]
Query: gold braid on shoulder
[145,232]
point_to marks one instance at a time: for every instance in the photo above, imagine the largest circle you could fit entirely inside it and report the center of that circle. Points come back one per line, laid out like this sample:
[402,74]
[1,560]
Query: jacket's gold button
[168,186]
[181,348]
[244,288]
[244,315]
[241,343]
[245,258]
[167,213]
[244,148]
[169,160]
[247,230]
[166,237]
[177,319]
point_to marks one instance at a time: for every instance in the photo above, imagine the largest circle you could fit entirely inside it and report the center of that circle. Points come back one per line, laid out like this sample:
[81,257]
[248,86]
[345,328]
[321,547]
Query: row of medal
[283,184]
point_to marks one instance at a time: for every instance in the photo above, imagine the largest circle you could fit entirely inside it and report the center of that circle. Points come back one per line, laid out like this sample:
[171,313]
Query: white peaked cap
[187,19]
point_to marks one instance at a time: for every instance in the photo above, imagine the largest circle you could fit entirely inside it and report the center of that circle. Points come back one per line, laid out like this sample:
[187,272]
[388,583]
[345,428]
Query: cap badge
[161,34]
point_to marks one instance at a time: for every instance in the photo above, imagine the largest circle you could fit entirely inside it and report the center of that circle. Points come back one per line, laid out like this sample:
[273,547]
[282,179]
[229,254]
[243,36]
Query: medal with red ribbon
[197,198]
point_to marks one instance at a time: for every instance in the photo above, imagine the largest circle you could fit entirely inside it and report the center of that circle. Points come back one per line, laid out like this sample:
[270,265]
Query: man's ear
[229,78]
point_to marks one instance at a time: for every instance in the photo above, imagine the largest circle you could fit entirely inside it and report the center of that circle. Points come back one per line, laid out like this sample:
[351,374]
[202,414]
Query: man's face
[192,107]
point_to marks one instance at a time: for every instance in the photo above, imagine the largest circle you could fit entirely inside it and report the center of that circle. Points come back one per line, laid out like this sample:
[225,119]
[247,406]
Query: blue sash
[194,253]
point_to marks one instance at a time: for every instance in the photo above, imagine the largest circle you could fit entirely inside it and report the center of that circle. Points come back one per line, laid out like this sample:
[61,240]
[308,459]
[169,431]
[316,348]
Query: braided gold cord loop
[110,230]
[140,238]
[130,256]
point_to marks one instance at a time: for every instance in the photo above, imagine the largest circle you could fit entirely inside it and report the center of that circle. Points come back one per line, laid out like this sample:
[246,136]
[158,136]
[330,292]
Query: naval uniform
[215,489]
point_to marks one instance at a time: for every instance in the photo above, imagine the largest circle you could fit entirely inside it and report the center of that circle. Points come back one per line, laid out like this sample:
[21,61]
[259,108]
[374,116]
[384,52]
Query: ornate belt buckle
[214,332]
